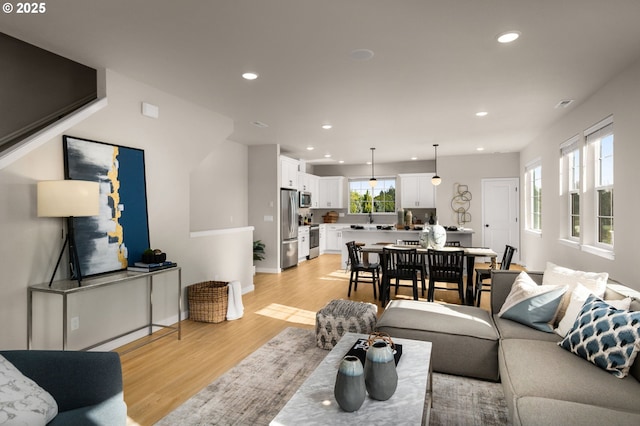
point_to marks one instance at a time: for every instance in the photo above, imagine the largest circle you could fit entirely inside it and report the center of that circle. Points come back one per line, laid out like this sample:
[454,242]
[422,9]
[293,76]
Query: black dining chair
[484,273]
[421,260]
[445,266]
[452,244]
[398,264]
[357,266]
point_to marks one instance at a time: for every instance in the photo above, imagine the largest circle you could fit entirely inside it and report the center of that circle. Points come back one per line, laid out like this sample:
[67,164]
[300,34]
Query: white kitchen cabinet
[314,188]
[334,238]
[331,192]
[288,172]
[323,238]
[303,182]
[417,191]
[303,242]
[308,182]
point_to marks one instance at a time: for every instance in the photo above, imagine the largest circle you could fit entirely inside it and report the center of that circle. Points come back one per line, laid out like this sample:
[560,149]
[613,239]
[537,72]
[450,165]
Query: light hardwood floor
[162,375]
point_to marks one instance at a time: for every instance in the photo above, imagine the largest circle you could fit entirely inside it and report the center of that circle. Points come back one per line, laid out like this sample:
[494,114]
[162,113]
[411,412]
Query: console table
[65,288]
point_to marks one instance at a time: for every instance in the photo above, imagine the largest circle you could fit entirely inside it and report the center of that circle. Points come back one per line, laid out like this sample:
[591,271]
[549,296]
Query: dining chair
[445,266]
[484,273]
[452,244]
[421,260]
[357,266]
[398,264]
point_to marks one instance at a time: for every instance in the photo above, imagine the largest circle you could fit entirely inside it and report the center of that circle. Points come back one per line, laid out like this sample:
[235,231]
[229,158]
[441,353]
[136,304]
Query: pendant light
[372,182]
[436,180]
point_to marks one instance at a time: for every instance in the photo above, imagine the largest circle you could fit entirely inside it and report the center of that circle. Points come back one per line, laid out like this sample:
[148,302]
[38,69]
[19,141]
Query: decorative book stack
[151,267]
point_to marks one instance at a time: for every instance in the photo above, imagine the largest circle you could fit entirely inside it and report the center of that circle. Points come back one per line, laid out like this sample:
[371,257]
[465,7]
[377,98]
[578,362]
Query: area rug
[255,390]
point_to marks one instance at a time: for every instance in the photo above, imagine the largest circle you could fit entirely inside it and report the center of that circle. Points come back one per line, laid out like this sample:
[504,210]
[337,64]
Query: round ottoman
[340,316]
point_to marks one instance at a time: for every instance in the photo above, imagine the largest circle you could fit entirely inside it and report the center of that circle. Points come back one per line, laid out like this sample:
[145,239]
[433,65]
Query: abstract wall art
[120,233]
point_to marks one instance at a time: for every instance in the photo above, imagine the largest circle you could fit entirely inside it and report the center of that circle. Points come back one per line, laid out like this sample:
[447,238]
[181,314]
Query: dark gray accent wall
[37,88]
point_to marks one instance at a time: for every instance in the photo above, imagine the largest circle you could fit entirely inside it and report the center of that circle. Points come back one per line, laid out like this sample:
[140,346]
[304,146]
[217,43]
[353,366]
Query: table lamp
[69,199]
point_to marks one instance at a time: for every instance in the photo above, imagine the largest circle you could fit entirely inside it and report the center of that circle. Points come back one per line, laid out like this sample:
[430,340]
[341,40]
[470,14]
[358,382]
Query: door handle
[486,225]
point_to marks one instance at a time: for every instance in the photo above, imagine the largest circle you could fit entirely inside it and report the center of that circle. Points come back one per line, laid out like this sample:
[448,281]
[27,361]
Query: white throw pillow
[579,296]
[531,304]
[595,282]
[22,401]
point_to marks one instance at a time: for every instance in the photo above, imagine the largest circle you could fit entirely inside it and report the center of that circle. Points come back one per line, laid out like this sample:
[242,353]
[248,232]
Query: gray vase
[380,375]
[350,389]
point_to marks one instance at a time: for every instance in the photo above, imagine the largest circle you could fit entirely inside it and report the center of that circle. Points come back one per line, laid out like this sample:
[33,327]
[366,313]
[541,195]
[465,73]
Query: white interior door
[500,215]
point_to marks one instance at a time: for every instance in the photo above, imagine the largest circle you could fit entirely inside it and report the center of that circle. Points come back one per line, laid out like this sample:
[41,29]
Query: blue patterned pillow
[531,304]
[605,336]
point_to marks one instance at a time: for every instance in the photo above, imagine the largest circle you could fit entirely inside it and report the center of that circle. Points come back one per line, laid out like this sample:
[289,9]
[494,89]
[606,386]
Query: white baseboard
[268,270]
[140,334]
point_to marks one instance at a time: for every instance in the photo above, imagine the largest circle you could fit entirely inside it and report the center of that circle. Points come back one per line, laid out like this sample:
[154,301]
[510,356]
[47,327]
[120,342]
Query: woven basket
[208,301]
[330,217]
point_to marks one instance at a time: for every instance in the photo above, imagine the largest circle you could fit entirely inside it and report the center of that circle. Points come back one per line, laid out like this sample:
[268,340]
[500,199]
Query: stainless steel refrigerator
[288,228]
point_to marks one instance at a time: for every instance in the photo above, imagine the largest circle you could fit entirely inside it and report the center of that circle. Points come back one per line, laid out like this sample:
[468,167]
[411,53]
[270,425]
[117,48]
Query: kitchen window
[360,196]
[533,206]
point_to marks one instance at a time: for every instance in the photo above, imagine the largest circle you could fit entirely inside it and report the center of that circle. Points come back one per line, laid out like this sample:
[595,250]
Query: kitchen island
[372,235]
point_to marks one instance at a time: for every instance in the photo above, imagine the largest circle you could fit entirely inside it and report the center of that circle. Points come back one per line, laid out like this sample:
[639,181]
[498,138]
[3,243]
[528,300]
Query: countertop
[375,230]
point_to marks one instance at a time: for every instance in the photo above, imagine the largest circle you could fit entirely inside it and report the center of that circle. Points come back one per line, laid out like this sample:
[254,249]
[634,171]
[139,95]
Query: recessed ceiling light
[327,126]
[310,148]
[327,156]
[481,113]
[508,37]
[250,75]
[480,148]
[341,161]
[414,158]
[361,54]
[368,163]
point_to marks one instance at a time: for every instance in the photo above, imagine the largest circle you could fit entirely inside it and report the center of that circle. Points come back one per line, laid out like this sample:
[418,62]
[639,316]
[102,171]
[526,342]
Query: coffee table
[314,403]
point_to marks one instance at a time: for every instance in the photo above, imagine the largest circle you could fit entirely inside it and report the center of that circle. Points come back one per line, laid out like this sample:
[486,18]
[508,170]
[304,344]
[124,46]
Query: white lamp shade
[436,180]
[66,198]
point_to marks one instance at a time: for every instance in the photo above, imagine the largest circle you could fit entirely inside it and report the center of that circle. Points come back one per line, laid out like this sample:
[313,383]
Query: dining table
[470,254]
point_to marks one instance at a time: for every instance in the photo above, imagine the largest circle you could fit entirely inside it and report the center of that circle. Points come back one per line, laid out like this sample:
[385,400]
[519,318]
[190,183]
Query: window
[384,196]
[604,186]
[533,182]
[570,166]
[586,189]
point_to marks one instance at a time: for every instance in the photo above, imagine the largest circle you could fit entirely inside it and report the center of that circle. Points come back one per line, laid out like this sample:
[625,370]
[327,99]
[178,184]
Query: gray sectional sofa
[543,383]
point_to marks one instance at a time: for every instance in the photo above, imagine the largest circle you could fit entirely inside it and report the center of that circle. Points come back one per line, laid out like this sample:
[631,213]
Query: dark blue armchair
[87,386]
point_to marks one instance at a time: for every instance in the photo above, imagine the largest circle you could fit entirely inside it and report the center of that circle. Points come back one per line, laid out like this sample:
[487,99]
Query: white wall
[620,97]
[183,149]
[264,199]
[470,170]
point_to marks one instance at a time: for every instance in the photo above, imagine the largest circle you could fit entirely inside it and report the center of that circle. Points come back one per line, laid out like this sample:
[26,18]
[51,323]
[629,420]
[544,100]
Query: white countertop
[466,231]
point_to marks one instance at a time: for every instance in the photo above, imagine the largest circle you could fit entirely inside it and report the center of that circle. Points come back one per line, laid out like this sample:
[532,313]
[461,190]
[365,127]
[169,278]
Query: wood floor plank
[162,375]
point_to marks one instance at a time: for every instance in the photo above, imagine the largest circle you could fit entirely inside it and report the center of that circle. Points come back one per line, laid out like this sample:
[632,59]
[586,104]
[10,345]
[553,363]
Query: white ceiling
[436,64]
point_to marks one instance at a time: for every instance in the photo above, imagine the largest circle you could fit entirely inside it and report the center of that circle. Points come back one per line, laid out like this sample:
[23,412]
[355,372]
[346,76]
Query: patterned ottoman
[341,316]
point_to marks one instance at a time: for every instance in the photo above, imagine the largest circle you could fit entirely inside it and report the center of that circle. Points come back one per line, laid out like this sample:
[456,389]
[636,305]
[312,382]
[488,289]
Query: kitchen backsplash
[421,215]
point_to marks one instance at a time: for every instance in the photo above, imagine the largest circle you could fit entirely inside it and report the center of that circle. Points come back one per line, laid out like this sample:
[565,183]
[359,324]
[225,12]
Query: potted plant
[153,256]
[258,250]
